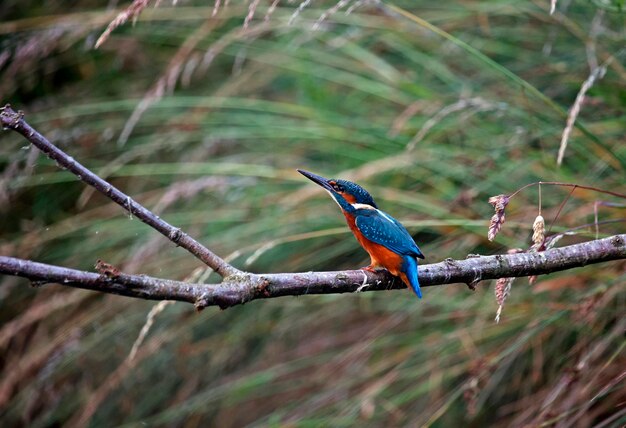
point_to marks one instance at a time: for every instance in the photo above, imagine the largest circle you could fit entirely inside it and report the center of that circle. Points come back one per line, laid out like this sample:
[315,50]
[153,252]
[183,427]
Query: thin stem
[561,208]
[539,199]
[557,183]
[586,225]
[595,218]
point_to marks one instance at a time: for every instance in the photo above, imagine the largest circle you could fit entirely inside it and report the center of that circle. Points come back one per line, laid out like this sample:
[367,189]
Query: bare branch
[10,119]
[242,288]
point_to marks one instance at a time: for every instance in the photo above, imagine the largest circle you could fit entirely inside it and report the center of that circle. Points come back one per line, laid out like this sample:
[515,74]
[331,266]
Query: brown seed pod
[499,204]
[502,290]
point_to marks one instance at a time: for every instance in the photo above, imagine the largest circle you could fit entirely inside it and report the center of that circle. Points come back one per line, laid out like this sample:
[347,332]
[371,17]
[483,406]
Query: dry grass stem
[298,11]
[358,4]
[19,61]
[131,12]
[251,12]
[596,74]
[97,396]
[476,104]
[590,45]
[36,313]
[271,10]
[167,81]
[331,11]
[156,310]
[216,7]
[410,111]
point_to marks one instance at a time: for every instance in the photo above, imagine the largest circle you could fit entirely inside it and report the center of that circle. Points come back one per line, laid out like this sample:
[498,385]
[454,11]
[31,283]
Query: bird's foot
[372,268]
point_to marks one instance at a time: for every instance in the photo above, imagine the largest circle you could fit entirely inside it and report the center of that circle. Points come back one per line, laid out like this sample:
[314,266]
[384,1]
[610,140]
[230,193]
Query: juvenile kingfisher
[388,243]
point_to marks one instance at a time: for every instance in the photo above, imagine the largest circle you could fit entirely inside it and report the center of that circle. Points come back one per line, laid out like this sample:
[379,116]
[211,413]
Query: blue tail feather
[410,269]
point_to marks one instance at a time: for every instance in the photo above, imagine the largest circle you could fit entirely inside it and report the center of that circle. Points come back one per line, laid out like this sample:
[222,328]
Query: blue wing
[385,230]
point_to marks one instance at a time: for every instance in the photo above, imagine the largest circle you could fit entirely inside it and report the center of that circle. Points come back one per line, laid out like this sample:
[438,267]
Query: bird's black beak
[318,179]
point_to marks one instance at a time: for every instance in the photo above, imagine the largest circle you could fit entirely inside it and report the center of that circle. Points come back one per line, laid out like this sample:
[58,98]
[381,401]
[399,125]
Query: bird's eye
[336,186]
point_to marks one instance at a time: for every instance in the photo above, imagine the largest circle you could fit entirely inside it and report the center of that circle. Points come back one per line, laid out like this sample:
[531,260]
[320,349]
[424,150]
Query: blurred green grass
[485,85]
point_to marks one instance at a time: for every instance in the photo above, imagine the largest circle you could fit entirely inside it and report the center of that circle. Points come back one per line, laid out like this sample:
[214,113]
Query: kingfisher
[387,242]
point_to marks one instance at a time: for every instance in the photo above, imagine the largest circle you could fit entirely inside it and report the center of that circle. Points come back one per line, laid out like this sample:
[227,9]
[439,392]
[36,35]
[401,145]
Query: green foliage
[432,107]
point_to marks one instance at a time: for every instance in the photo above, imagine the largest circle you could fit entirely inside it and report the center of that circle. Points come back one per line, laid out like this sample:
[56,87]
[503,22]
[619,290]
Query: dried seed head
[499,204]
[503,287]
[539,229]
[502,290]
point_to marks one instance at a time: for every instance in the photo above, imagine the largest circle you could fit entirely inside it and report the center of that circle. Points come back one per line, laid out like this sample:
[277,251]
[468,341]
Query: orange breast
[380,255]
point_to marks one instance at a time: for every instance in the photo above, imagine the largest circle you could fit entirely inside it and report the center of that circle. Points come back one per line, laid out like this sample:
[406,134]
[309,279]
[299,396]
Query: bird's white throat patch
[369,207]
[363,207]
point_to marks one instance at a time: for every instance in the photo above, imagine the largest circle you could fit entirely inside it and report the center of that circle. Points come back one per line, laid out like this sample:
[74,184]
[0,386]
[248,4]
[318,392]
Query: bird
[386,240]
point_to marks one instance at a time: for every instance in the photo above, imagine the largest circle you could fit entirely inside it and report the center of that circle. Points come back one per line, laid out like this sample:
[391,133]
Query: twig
[558,183]
[561,206]
[247,287]
[10,119]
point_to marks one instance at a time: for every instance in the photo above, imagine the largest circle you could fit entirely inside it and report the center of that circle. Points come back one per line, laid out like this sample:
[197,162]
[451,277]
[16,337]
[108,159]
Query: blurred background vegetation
[432,106]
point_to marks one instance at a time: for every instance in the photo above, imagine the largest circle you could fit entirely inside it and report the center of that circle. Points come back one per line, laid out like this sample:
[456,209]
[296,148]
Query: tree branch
[242,288]
[10,119]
